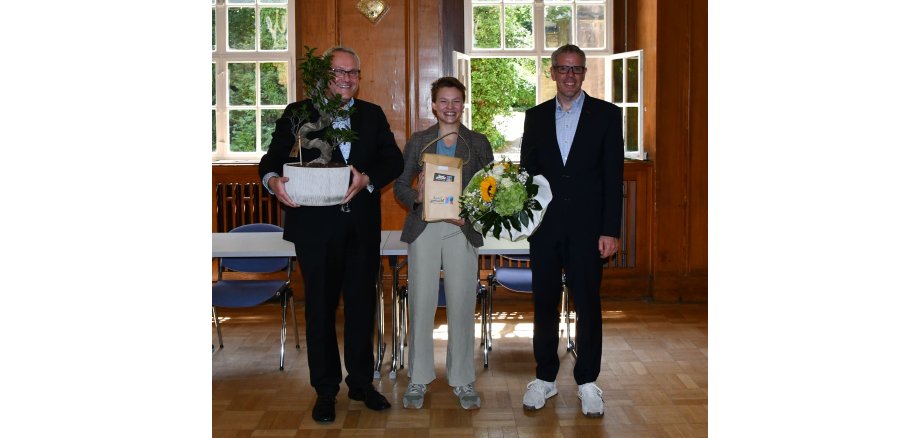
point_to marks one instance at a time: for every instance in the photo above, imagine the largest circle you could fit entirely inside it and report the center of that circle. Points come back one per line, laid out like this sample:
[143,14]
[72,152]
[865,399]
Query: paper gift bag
[443,185]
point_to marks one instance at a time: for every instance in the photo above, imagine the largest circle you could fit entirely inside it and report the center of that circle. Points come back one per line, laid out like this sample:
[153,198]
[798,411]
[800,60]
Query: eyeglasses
[339,73]
[563,69]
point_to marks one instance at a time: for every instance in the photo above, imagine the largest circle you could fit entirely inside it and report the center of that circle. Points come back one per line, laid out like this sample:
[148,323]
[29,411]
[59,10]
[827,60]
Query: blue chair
[512,272]
[249,292]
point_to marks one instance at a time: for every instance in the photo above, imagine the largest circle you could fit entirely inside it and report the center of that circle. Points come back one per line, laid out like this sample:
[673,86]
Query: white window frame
[538,23]
[609,79]
[222,56]
[539,52]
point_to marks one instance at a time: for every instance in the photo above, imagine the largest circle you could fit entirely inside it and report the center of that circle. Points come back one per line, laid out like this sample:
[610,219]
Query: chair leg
[220,338]
[487,321]
[284,302]
[294,316]
[381,346]
[567,308]
[403,325]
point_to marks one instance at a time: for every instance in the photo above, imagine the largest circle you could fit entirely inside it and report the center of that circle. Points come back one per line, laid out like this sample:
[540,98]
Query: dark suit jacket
[476,156]
[588,191]
[374,153]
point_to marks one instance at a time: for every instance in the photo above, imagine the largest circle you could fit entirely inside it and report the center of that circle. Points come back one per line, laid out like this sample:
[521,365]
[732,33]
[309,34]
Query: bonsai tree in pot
[320,181]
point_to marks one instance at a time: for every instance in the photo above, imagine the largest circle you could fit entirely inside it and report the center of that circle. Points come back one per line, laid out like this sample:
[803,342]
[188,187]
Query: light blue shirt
[566,123]
[443,149]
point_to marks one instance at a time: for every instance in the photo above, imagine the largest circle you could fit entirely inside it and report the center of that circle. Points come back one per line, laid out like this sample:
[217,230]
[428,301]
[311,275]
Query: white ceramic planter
[316,186]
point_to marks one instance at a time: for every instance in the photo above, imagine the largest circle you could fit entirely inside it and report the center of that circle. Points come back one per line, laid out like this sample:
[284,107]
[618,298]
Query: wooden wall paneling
[317,26]
[671,222]
[624,26]
[699,139]
[383,77]
[381,47]
[632,42]
[647,40]
[623,281]
[675,153]
[452,25]
[430,56]
[411,67]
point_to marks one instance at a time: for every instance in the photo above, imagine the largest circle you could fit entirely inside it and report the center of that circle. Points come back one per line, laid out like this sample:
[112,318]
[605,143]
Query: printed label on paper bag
[438,200]
[440,177]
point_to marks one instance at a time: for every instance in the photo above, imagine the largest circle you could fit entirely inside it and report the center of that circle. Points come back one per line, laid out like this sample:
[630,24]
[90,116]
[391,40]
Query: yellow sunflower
[487,188]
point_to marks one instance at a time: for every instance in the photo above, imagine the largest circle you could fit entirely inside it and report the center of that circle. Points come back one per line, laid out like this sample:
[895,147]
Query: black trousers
[583,268]
[334,266]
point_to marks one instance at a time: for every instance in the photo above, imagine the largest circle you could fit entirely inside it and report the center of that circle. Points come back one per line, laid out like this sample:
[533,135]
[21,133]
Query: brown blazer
[476,156]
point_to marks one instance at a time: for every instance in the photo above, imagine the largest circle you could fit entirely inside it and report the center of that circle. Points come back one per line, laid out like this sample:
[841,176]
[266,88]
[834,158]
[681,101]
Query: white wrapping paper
[544,196]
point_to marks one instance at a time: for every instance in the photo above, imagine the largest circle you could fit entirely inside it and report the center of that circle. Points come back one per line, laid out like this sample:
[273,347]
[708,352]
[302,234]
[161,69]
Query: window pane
[486,27]
[274,81]
[242,130]
[591,27]
[269,117]
[279,2]
[241,83]
[632,129]
[557,26]
[213,130]
[519,27]
[274,29]
[632,78]
[241,2]
[547,86]
[594,78]
[213,84]
[617,79]
[241,28]
[501,90]
[213,29]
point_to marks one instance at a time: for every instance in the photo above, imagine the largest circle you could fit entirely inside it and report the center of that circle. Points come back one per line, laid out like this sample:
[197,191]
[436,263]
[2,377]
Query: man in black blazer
[576,142]
[339,251]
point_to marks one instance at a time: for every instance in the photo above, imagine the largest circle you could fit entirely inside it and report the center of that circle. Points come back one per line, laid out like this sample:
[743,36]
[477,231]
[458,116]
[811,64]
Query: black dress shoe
[371,398]
[324,409]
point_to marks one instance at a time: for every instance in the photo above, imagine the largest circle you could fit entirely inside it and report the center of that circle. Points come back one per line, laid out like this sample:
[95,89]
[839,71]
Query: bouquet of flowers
[505,200]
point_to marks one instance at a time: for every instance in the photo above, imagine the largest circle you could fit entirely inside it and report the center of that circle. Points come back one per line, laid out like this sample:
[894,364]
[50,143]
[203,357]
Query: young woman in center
[448,245]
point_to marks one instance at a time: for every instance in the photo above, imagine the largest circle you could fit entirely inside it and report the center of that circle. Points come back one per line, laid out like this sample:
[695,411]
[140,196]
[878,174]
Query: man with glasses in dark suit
[338,248]
[576,142]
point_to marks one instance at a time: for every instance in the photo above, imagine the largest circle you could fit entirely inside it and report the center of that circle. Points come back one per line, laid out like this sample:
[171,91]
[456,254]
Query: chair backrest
[514,260]
[255,264]
[513,273]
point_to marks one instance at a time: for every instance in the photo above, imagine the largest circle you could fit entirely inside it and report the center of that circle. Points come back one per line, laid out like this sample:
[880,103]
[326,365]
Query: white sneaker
[592,405]
[537,393]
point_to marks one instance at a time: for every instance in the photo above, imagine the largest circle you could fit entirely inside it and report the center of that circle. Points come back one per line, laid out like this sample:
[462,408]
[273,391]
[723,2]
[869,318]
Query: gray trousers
[442,242]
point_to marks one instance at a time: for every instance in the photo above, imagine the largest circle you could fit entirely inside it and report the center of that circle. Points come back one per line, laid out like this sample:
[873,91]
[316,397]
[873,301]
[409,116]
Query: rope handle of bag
[435,141]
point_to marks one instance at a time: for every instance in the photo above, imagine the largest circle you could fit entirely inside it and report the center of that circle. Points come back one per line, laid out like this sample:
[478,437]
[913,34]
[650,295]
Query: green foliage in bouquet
[499,197]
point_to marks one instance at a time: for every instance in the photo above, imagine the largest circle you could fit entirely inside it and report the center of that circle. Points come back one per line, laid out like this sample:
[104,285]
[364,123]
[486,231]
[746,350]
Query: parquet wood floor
[654,377]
